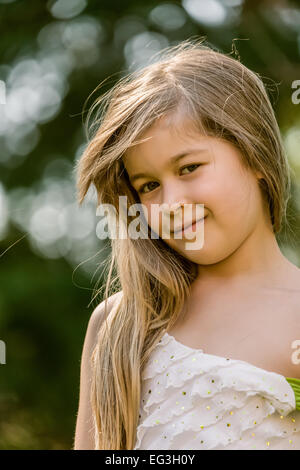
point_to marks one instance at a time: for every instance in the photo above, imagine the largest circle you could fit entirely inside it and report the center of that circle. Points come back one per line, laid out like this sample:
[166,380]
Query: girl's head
[211,171]
[213,93]
[192,98]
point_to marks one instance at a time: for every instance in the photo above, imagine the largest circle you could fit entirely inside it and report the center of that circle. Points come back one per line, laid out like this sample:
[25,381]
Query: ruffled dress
[192,400]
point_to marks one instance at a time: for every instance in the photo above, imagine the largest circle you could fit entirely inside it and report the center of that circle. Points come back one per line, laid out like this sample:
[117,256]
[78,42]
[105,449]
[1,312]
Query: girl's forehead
[157,151]
[169,133]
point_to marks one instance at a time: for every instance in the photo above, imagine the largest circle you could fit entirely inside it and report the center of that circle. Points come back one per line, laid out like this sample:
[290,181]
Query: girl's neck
[252,264]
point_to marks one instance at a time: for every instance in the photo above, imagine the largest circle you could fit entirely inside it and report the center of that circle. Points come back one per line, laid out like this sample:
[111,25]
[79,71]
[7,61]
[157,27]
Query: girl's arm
[84,434]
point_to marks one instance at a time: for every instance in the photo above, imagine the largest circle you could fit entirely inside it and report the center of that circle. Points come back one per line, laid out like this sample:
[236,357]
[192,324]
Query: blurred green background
[53,56]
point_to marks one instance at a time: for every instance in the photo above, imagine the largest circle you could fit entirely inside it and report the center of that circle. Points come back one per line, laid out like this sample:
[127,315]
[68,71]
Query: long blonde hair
[225,99]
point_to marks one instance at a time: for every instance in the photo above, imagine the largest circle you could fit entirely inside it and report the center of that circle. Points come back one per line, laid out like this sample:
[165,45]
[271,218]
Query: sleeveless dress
[192,400]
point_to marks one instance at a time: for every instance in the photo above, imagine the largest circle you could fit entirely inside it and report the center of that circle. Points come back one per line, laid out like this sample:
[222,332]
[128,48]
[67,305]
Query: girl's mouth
[190,228]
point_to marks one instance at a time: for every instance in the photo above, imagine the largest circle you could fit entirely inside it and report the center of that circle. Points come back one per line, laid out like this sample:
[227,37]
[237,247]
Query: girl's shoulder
[84,424]
[99,313]
[290,326]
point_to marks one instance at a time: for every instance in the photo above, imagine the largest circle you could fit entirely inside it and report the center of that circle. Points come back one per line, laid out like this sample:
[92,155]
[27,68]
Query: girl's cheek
[158,223]
[154,219]
[150,216]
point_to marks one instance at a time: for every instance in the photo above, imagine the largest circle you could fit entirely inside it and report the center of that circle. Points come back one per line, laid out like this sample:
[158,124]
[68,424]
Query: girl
[197,349]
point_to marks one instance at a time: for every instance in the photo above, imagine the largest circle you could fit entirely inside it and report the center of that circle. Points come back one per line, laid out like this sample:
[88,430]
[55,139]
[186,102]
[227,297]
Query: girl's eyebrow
[172,160]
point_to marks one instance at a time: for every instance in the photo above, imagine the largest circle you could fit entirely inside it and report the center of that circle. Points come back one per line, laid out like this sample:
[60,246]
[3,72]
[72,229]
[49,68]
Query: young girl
[197,349]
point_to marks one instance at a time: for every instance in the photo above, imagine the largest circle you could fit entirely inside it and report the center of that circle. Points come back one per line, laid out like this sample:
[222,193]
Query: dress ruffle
[192,400]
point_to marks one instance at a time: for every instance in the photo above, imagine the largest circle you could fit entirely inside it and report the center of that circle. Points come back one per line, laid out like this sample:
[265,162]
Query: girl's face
[209,172]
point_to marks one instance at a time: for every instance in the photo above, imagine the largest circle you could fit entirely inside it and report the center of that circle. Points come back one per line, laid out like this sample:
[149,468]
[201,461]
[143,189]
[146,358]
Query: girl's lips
[191,227]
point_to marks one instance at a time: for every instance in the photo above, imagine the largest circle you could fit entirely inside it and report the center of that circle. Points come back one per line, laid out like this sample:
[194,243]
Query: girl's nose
[170,208]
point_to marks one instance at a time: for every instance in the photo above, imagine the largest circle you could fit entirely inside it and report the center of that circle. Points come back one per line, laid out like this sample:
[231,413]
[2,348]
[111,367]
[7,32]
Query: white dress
[192,400]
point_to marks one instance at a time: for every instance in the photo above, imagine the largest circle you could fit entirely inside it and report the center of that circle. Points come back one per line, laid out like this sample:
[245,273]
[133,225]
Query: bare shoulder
[84,433]
[289,333]
[99,313]
[289,353]
[280,334]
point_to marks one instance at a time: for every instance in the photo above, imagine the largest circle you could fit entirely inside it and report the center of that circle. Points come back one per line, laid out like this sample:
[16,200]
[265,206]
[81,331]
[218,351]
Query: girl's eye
[190,166]
[141,190]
